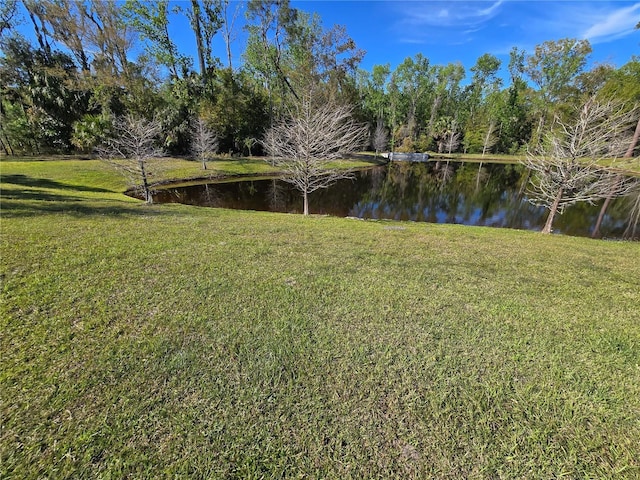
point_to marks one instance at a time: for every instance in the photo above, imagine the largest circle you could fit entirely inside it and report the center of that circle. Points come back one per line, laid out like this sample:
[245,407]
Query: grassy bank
[173,341]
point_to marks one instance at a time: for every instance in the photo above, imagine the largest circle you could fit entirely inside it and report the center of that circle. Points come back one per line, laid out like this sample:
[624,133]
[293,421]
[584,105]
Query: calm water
[437,192]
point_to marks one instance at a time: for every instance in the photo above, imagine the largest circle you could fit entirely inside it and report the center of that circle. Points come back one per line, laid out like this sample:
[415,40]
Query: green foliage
[45,86]
[407,145]
[16,131]
[624,84]
[474,141]
[236,110]
[555,65]
[90,131]
[151,19]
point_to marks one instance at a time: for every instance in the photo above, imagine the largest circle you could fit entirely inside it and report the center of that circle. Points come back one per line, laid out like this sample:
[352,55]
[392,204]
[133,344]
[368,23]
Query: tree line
[63,91]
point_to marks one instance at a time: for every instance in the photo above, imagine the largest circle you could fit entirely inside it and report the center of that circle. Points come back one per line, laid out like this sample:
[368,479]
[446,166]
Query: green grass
[174,341]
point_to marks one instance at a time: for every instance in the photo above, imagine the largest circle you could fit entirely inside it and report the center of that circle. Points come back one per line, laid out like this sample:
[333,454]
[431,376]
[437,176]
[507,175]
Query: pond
[490,194]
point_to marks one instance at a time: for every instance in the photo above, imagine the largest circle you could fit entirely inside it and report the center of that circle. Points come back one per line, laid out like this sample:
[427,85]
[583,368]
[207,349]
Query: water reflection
[437,192]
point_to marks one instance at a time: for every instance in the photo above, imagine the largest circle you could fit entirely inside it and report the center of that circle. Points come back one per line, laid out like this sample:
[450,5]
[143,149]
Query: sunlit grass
[174,341]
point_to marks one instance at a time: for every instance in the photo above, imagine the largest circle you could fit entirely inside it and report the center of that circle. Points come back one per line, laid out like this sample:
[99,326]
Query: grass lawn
[173,341]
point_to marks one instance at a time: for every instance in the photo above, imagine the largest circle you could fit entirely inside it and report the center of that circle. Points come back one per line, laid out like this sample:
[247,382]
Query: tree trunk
[4,147]
[552,212]
[478,177]
[148,198]
[634,142]
[487,139]
[605,205]
[198,32]
[603,210]
[434,110]
[634,220]
[306,202]
[228,31]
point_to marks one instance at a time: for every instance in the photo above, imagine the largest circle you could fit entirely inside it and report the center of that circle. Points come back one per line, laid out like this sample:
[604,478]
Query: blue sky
[462,31]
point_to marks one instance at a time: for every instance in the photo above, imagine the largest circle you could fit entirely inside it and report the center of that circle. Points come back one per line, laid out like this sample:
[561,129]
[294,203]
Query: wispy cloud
[596,21]
[616,24]
[444,14]
[433,20]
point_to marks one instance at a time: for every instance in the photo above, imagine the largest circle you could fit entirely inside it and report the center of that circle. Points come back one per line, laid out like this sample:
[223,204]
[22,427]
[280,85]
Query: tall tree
[271,23]
[67,24]
[484,80]
[8,16]
[553,67]
[413,79]
[151,19]
[236,110]
[206,20]
[445,100]
[481,98]
[318,56]
[228,27]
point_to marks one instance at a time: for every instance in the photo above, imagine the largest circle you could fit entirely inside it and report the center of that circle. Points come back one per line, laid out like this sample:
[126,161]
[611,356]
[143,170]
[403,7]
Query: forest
[62,91]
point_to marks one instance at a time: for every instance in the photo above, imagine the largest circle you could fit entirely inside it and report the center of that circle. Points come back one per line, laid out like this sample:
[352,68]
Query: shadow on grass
[26,181]
[34,200]
[75,206]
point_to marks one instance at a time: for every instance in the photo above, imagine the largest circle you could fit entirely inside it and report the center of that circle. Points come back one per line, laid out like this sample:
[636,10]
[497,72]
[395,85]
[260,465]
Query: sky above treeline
[457,30]
[464,30]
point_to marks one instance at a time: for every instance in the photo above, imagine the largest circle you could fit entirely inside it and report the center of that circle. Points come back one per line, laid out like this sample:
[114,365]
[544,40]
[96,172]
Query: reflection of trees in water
[481,176]
[276,196]
[443,173]
[210,196]
[420,192]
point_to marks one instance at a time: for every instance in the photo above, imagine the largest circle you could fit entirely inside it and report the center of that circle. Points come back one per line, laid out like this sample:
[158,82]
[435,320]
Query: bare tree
[634,141]
[228,32]
[380,138]
[312,134]
[204,142]
[566,168]
[615,184]
[490,139]
[452,141]
[130,148]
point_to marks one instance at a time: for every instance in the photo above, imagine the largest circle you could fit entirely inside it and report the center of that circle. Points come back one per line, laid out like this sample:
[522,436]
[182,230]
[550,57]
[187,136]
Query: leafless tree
[312,134]
[452,141]
[634,141]
[380,138]
[131,147]
[567,167]
[490,139]
[204,142]
[615,183]
[228,32]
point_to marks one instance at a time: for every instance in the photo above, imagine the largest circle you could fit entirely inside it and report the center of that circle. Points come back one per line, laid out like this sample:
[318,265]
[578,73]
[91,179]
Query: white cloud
[616,24]
[447,14]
